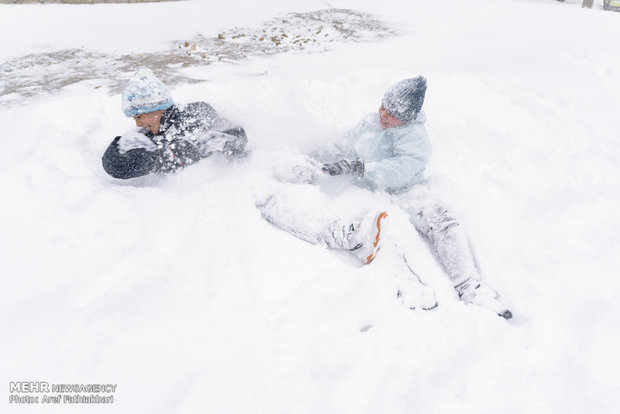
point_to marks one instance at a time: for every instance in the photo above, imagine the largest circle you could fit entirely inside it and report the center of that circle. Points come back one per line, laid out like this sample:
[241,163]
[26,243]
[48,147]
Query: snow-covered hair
[405,98]
[145,93]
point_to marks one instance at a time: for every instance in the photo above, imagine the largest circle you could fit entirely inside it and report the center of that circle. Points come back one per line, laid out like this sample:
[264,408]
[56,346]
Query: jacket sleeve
[133,163]
[200,124]
[231,142]
[139,161]
[404,168]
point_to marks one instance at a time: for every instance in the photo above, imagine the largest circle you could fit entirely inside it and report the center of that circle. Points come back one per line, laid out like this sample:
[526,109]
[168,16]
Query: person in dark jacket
[168,136]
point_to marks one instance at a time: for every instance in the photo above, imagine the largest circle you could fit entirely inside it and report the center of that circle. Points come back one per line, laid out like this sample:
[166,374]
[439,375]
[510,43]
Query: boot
[477,293]
[362,238]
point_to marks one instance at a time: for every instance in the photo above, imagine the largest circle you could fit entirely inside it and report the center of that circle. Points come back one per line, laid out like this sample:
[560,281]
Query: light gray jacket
[394,158]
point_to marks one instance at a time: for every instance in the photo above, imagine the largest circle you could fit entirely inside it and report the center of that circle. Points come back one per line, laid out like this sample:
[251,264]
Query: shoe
[366,241]
[477,293]
[361,238]
[417,295]
[412,292]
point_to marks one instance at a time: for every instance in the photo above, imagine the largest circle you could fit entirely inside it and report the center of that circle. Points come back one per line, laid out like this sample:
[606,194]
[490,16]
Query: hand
[352,167]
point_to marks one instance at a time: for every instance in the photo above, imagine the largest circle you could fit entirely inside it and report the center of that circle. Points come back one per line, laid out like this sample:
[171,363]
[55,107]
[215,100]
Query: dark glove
[352,167]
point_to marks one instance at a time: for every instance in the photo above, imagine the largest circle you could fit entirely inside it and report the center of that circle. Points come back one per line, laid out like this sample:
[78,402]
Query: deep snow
[175,289]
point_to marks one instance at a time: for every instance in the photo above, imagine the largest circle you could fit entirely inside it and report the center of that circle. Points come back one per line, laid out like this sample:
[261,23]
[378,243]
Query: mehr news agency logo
[41,392]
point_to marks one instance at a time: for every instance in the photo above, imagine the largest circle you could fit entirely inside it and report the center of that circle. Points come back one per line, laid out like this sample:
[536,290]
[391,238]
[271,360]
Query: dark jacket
[187,134]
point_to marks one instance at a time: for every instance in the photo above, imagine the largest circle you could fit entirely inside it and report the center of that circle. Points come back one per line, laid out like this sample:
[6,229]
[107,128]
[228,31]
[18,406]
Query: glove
[352,167]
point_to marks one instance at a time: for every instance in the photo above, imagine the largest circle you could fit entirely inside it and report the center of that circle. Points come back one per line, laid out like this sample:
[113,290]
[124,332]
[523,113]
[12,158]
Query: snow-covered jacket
[394,158]
[187,134]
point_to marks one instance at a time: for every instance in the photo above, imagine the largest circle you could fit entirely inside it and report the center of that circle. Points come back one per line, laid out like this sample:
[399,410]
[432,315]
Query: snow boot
[477,293]
[361,237]
[416,295]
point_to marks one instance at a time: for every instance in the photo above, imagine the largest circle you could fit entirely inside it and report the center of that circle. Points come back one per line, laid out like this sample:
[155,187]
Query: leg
[301,211]
[442,230]
[304,212]
[451,246]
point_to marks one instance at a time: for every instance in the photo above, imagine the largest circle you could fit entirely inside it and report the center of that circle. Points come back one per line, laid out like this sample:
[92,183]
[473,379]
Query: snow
[175,289]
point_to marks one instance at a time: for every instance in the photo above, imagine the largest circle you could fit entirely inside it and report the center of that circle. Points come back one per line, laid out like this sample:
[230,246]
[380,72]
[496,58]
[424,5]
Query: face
[386,120]
[150,121]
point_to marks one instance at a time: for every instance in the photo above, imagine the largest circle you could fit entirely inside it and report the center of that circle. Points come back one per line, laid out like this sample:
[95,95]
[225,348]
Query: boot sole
[381,216]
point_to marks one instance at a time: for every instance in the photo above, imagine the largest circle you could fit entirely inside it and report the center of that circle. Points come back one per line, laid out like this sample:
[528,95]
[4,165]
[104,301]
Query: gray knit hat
[404,99]
[145,93]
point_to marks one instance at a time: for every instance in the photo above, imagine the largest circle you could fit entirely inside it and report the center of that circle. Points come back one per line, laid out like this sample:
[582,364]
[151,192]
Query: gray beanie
[404,99]
[145,93]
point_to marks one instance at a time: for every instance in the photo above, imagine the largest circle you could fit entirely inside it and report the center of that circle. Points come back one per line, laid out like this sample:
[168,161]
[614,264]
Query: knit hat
[404,99]
[145,93]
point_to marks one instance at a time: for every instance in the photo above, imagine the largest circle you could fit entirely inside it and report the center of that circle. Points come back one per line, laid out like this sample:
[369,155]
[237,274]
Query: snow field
[175,288]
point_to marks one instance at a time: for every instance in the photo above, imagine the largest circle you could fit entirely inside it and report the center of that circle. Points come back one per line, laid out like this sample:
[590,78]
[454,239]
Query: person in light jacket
[388,151]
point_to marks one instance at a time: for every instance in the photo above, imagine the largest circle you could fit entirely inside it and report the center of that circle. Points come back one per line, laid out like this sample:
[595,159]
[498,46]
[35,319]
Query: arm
[200,124]
[403,168]
[391,159]
[231,142]
[133,163]
[138,162]
[343,158]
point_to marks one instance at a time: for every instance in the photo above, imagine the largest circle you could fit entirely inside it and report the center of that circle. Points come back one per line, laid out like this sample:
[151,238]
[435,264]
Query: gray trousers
[444,233]
[307,213]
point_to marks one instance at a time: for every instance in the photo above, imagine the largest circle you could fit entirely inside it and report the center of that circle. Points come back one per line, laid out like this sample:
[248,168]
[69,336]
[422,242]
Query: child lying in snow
[169,136]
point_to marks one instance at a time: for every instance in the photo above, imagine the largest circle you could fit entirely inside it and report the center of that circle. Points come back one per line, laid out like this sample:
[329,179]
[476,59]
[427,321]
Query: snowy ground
[177,291]
[49,71]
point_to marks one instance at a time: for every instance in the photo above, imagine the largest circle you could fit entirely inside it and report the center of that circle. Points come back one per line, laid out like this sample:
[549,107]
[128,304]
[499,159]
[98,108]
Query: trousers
[307,213]
[442,230]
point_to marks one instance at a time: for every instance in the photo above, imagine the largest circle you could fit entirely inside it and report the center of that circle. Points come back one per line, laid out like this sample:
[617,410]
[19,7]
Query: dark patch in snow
[37,74]
[366,328]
